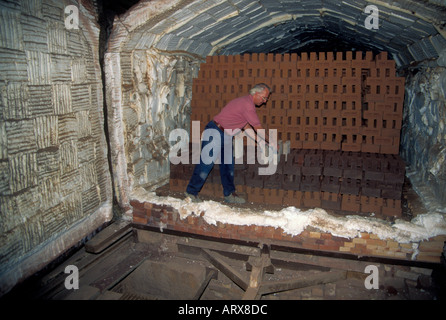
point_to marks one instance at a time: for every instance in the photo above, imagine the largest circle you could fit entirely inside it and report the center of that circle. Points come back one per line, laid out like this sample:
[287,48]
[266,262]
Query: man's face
[261,97]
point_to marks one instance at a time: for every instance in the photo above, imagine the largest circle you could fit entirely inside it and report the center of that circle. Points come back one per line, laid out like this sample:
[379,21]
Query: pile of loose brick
[340,115]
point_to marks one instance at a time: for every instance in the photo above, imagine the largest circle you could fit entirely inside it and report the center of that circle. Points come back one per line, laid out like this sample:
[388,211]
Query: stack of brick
[167,218]
[341,114]
[305,178]
[321,101]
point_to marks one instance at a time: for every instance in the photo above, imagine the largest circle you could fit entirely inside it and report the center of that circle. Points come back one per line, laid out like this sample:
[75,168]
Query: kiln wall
[54,177]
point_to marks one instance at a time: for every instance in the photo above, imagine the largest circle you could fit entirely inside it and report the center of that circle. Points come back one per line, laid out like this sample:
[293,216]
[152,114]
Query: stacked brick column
[340,112]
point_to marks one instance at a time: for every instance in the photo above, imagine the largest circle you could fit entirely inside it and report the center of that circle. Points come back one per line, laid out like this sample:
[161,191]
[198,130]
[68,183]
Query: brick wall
[344,101]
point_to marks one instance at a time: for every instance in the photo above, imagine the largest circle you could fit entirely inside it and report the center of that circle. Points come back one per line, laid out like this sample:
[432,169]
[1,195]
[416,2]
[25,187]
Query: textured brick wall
[54,180]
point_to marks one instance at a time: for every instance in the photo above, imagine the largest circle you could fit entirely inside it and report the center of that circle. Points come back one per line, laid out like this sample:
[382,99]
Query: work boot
[234,198]
[192,197]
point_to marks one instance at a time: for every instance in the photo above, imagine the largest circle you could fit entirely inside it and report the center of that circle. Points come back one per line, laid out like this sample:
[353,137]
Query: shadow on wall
[423,138]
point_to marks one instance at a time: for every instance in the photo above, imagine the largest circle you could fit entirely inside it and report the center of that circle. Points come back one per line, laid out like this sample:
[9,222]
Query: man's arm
[262,134]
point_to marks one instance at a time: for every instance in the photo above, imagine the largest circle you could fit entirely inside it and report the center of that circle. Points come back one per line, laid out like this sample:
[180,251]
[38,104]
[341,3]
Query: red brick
[390,149]
[384,141]
[371,204]
[370,147]
[392,207]
[274,196]
[311,199]
[350,203]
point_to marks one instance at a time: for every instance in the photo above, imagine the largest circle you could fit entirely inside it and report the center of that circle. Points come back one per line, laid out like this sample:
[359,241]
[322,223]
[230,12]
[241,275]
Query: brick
[370,188]
[392,207]
[312,170]
[331,200]
[311,199]
[255,194]
[350,203]
[370,147]
[350,186]
[392,191]
[291,182]
[351,142]
[139,220]
[389,149]
[274,196]
[311,144]
[371,204]
[292,198]
[310,183]
[330,184]
[254,180]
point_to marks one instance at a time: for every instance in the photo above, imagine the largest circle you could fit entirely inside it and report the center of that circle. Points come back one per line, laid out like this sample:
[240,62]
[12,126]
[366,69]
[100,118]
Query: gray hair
[259,88]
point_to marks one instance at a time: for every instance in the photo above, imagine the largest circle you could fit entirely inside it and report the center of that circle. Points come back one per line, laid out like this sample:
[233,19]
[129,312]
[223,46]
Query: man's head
[260,93]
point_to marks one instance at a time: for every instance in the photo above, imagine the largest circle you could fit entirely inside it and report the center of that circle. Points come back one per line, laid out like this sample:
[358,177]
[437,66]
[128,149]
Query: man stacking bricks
[239,114]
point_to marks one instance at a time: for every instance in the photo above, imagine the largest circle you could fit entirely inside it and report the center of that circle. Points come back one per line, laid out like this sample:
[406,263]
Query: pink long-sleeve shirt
[237,113]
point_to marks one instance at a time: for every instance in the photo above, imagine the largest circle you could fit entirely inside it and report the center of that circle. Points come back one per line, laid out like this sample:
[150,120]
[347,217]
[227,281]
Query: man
[238,114]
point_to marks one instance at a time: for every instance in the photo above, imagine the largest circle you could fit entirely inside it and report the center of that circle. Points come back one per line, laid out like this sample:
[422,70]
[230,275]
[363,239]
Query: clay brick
[369,146]
[273,181]
[139,220]
[386,141]
[330,184]
[255,195]
[350,186]
[352,142]
[371,204]
[392,207]
[392,121]
[291,182]
[311,199]
[311,144]
[350,203]
[370,188]
[274,196]
[312,170]
[392,191]
[341,62]
[310,183]
[331,200]
[292,198]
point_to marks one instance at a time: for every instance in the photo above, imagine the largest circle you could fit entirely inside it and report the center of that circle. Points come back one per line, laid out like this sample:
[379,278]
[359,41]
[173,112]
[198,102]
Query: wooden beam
[218,261]
[258,267]
[108,236]
[285,285]
[219,246]
[210,274]
[320,261]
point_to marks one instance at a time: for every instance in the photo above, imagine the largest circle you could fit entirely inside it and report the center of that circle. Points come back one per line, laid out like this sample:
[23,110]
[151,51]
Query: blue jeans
[203,169]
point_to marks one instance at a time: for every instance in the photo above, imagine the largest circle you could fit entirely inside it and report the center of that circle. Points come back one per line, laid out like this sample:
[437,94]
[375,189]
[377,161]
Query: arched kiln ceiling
[411,30]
